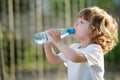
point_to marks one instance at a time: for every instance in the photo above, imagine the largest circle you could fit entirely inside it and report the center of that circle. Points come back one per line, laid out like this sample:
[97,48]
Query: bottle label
[48,37]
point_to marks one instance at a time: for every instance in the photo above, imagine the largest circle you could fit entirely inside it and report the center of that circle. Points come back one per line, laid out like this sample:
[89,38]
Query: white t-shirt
[93,69]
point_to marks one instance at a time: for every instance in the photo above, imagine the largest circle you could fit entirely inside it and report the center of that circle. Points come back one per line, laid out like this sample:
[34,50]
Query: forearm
[52,57]
[70,53]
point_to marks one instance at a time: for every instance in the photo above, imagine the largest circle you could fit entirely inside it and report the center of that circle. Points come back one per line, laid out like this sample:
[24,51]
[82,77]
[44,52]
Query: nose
[75,25]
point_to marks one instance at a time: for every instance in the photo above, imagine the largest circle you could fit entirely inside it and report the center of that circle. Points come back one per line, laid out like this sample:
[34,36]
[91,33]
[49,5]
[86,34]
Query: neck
[86,42]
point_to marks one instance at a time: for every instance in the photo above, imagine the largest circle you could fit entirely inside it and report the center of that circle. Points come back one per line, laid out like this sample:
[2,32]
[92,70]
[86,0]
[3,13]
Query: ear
[92,32]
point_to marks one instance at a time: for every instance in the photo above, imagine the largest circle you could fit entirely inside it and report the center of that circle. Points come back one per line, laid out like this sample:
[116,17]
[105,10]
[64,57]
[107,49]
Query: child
[97,32]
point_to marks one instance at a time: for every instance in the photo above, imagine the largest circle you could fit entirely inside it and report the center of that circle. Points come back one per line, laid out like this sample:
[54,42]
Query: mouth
[75,30]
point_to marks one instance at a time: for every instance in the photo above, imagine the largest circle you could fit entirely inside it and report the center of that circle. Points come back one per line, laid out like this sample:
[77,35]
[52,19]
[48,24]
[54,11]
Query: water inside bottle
[38,38]
[63,33]
[39,41]
[41,38]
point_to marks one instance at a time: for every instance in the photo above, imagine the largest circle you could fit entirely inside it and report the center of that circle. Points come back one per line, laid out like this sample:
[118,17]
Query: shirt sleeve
[62,57]
[94,55]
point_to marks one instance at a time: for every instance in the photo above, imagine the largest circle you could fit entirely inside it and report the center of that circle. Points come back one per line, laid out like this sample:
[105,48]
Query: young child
[97,32]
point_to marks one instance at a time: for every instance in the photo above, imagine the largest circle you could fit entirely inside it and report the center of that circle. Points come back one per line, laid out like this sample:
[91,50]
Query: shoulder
[95,47]
[93,50]
[94,55]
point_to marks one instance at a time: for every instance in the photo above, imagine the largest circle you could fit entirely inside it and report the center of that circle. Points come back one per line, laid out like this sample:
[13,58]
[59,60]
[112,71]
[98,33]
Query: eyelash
[81,21]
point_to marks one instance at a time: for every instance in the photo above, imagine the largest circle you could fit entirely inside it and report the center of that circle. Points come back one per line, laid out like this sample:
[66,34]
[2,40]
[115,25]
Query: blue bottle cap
[71,30]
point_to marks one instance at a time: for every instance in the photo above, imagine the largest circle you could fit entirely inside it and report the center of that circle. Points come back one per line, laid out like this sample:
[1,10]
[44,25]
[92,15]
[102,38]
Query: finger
[56,32]
[53,32]
[48,44]
[50,32]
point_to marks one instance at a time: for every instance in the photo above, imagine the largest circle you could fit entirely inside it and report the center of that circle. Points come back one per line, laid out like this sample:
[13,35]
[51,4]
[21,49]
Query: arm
[52,57]
[68,52]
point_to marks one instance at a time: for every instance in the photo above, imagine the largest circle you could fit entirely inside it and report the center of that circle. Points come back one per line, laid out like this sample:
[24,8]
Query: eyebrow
[81,20]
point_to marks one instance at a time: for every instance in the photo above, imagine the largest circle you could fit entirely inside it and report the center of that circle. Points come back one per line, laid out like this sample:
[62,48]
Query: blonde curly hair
[103,27]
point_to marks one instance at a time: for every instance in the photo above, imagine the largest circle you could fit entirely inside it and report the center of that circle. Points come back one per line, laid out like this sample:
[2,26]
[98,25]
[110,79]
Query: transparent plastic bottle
[44,37]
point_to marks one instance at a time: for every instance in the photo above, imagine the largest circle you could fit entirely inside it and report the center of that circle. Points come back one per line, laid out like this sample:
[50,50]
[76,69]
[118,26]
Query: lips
[75,30]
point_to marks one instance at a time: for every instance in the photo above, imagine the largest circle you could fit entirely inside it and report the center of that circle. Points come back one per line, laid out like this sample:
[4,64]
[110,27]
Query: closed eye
[81,22]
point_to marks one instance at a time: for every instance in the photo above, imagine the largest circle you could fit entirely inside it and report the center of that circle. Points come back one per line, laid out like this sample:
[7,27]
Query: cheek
[84,32]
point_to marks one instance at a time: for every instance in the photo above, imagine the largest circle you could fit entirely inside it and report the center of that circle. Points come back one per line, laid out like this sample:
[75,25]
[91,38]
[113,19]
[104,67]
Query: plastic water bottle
[44,37]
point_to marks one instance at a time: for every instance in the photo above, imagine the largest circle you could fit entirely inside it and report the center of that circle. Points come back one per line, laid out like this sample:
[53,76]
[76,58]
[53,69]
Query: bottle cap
[71,30]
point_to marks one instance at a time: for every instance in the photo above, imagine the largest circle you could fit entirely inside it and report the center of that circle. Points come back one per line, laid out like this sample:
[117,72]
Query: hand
[55,34]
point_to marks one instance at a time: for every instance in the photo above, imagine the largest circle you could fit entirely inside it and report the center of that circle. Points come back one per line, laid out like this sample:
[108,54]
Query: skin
[81,27]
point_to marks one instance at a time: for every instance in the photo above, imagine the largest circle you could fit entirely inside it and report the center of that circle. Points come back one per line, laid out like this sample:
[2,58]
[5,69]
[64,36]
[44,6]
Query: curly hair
[103,27]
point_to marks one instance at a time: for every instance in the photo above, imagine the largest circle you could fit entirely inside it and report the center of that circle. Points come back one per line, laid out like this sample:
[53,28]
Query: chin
[76,37]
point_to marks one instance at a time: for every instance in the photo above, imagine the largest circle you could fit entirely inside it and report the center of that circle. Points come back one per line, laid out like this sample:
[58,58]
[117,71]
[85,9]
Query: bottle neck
[70,31]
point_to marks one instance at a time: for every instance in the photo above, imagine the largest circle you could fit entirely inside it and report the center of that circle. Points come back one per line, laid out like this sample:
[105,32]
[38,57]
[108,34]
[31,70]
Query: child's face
[81,27]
